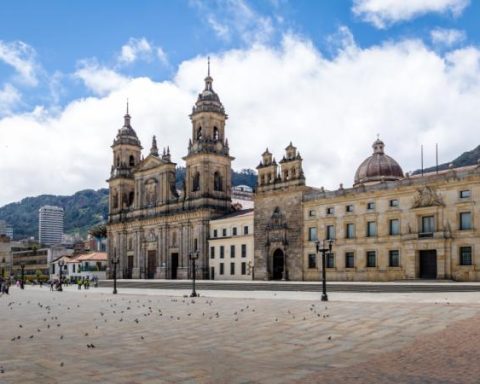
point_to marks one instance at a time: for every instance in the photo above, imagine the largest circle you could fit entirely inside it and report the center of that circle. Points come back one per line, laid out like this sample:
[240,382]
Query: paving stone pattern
[88,337]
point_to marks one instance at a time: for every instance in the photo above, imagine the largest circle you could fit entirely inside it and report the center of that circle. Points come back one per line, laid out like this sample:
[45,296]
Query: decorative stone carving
[427,197]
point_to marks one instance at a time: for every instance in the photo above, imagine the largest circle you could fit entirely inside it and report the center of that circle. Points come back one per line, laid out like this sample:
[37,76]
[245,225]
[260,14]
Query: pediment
[427,197]
[150,162]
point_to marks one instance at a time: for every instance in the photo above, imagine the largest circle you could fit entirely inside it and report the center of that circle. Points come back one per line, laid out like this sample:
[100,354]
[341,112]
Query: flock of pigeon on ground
[127,308]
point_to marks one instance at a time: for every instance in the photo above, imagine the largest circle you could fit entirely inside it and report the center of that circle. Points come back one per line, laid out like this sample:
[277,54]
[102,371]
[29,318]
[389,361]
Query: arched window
[217,182]
[215,133]
[199,133]
[286,174]
[115,200]
[131,198]
[118,161]
[132,161]
[196,182]
[174,239]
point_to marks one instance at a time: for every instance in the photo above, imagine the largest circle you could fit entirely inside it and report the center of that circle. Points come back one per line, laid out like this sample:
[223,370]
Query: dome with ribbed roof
[378,167]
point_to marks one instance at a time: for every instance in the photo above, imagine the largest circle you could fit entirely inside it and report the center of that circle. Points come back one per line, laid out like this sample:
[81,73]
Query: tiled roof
[94,256]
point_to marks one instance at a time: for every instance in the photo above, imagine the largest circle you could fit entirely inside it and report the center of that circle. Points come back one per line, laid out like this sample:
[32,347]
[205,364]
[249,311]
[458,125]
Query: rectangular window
[311,213]
[394,227]
[350,231]
[312,234]
[394,203]
[428,224]
[349,208]
[221,269]
[245,230]
[330,211]
[244,250]
[349,260]
[465,255]
[371,259]
[330,260]
[371,206]
[312,260]
[394,258]
[465,220]
[224,232]
[232,268]
[371,229]
[244,268]
[73,266]
[222,252]
[330,232]
[212,252]
[234,231]
[215,233]
[465,194]
[232,251]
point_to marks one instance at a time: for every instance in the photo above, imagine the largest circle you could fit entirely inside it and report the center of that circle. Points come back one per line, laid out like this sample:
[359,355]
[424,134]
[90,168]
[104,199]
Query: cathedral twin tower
[154,227]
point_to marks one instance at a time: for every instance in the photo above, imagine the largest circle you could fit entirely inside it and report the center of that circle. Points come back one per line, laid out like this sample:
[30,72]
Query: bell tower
[208,174]
[126,156]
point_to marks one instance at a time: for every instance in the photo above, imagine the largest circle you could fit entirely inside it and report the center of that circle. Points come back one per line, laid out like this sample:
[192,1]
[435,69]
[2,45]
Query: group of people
[4,286]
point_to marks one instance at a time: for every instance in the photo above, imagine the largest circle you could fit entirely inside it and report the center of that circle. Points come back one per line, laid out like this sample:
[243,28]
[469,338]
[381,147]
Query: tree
[98,231]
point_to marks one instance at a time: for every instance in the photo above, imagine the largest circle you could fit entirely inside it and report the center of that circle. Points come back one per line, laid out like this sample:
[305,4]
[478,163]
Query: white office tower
[6,229]
[50,225]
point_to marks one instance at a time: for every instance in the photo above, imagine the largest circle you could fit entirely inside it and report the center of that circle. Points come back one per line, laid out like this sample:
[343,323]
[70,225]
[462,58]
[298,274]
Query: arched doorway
[278,264]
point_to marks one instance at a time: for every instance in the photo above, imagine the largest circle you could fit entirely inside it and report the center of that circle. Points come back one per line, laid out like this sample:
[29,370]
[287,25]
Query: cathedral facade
[153,228]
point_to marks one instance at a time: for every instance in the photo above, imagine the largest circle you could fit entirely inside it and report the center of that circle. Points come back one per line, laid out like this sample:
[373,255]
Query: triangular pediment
[149,162]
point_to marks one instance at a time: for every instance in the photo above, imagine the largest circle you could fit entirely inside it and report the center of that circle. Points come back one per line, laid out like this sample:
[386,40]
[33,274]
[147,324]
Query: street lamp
[61,263]
[22,281]
[193,257]
[115,261]
[323,249]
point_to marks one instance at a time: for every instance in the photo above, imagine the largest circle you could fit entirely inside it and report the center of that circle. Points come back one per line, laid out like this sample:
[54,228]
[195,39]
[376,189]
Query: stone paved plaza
[96,337]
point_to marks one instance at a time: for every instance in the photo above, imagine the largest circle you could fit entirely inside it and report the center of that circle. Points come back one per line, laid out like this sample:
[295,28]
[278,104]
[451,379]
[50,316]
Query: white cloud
[99,79]
[235,18]
[447,37]
[21,57]
[331,108]
[9,97]
[140,49]
[383,13]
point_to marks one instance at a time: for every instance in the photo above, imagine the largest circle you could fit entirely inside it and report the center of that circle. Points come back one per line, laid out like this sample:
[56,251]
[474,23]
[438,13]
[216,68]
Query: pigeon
[61,364]
[329,337]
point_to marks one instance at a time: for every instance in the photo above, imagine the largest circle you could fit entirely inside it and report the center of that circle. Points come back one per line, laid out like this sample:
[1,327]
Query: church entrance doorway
[174,266]
[128,272]
[428,264]
[278,264]
[151,264]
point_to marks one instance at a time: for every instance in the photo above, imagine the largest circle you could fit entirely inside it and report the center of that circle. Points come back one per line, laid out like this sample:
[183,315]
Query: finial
[154,149]
[378,136]
[208,73]
[127,105]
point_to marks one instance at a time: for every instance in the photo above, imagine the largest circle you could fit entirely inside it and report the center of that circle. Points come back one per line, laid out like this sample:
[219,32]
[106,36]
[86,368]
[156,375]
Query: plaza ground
[160,336]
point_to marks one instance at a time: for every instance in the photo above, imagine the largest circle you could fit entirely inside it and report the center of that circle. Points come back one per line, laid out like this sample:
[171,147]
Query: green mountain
[467,158]
[83,210]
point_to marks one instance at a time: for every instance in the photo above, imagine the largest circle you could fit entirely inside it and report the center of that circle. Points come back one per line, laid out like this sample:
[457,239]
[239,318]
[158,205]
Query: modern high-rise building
[50,225]
[6,229]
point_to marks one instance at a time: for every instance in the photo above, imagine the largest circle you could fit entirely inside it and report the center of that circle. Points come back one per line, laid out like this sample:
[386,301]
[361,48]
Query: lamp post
[61,263]
[115,261]
[323,249]
[193,257]
[22,281]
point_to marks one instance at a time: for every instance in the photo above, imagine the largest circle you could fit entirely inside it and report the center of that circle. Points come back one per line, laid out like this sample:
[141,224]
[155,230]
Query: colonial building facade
[386,227]
[153,228]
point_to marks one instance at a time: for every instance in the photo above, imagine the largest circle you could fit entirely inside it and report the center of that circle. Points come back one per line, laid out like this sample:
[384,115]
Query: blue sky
[62,33]
[350,68]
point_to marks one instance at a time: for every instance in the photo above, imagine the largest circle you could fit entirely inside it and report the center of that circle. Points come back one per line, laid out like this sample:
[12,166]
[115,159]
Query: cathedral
[153,228]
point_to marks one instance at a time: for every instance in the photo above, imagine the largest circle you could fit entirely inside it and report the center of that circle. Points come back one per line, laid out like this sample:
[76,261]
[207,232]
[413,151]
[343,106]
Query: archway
[278,264]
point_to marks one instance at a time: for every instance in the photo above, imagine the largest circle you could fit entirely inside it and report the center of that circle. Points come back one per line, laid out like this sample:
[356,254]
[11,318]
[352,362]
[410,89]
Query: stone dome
[126,134]
[378,167]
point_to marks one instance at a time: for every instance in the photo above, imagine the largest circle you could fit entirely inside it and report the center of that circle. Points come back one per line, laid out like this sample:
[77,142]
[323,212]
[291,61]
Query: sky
[327,75]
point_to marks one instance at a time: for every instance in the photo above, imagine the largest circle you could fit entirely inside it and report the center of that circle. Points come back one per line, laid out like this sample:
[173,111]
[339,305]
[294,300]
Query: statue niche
[151,193]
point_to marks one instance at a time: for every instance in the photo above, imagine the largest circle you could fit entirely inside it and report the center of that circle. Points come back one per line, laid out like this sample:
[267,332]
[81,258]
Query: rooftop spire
[154,149]
[208,73]
[208,79]
[127,105]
